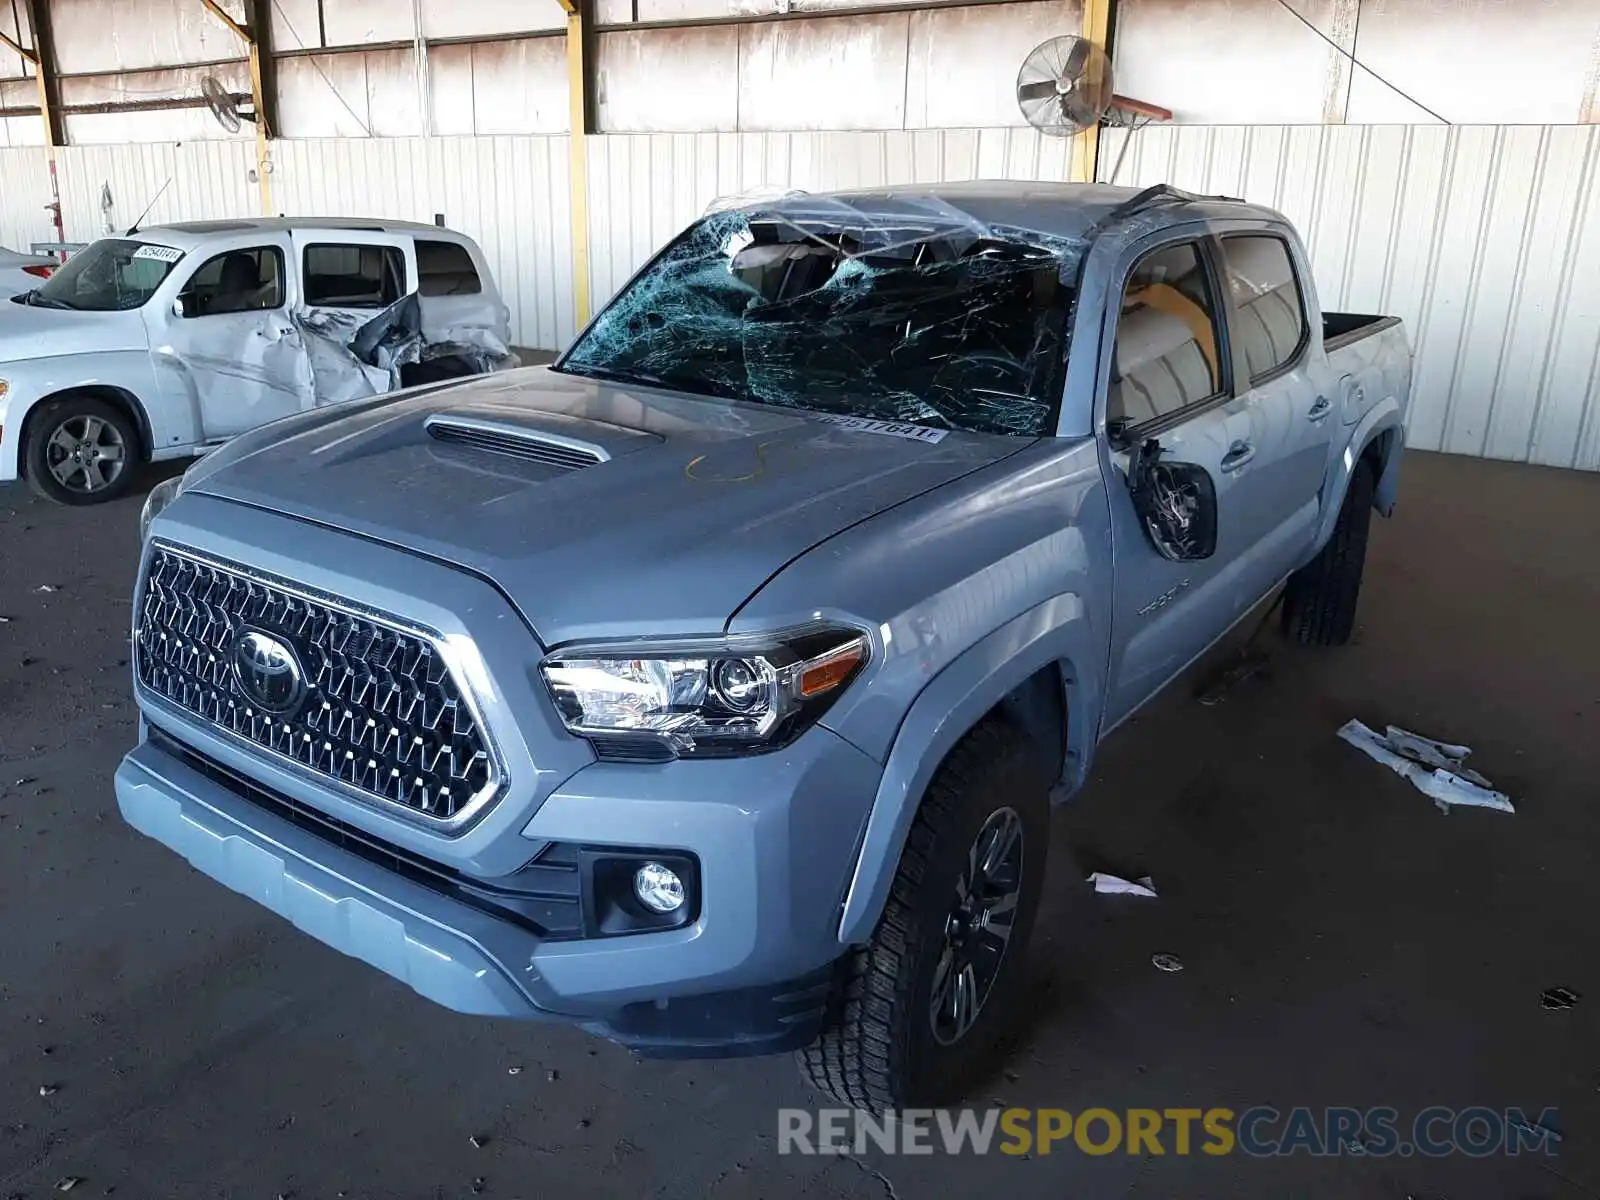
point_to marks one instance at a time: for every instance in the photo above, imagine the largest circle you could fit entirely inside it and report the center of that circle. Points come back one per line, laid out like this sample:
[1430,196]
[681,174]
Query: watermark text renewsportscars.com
[1259,1132]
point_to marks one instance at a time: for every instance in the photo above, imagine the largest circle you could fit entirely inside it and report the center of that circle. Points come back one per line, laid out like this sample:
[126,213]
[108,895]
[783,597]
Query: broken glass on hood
[891,308]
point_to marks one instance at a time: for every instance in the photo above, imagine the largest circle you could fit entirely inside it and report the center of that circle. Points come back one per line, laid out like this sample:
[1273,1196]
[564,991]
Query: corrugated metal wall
[646,187]
[24,192]
[181,179]
[1485,239]
[512,194]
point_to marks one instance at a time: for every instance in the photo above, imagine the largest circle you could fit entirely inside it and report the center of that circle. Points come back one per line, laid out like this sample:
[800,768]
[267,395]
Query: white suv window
[353,276]
[445,269]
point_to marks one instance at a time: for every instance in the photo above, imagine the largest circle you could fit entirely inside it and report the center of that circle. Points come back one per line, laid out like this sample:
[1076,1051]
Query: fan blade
[1079,111]
[1042,90]
[1077,57]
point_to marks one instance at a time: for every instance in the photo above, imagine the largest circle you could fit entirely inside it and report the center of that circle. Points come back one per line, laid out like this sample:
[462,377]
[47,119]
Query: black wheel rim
[86,454]
[978,928]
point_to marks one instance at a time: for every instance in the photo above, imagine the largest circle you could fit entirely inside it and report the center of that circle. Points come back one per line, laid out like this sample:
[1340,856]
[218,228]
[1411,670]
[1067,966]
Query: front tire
[1319,603]
[922,1011]
[80,451]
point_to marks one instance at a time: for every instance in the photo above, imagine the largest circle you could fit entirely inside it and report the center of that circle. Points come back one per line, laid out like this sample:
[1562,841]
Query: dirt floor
[1342,941]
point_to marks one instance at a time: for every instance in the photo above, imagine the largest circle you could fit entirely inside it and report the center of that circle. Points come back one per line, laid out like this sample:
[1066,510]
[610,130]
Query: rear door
[347,277]
[1292,400]
[1169,376]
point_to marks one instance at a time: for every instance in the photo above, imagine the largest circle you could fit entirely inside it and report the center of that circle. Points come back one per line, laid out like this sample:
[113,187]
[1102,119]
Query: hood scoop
[516,441]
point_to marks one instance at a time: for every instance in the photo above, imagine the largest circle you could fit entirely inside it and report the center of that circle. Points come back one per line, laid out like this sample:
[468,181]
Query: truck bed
[1341,329]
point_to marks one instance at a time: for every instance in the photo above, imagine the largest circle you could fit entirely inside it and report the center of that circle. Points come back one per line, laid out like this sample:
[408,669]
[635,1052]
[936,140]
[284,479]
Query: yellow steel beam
[43,58]
[1096,28]
[18,49]
[221,14]
[580,123]
[257,99]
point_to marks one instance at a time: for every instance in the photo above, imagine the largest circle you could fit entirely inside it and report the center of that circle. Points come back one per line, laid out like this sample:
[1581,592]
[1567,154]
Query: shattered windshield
[111,274]
[916,314]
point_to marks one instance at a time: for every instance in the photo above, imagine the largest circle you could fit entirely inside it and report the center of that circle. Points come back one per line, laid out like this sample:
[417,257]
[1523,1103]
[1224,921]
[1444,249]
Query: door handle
[1238,454]
[1320,409]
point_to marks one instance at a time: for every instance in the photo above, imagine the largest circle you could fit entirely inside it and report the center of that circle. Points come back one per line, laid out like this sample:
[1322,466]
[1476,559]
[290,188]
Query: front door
[1170,380]
[241,356]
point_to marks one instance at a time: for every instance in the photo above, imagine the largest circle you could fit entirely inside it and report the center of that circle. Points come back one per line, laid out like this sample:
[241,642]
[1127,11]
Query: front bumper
[775,837]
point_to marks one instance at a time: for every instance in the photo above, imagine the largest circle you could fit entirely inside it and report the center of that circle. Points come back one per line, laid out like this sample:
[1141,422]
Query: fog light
[659,889]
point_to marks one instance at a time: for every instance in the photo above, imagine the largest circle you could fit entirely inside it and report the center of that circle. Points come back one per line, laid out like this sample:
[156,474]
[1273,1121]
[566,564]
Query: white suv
[168,341]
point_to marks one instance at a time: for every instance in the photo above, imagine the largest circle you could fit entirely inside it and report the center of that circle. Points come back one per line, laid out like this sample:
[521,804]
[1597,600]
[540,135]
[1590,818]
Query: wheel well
[1038,707]
[1376,451]
[125,401]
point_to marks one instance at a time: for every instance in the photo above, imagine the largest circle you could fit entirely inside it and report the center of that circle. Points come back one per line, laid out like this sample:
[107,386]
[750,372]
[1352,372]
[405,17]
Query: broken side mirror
[1176,503]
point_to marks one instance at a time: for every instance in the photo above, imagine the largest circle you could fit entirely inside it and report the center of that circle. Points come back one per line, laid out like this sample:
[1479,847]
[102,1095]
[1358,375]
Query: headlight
[163,494]
[703,698]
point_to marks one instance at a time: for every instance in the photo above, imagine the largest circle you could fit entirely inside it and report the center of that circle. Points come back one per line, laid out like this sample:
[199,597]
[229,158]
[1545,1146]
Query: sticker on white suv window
[914,433]
[160,253]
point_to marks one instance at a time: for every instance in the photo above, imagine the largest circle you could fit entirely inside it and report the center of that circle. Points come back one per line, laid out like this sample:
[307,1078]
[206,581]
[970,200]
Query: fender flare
[1382,417]
[956,699]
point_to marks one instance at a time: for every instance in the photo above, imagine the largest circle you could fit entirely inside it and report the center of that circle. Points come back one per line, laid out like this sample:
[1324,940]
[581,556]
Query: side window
[1266,295]
[339,276]
[235,282]
[1167,348]
[445,269]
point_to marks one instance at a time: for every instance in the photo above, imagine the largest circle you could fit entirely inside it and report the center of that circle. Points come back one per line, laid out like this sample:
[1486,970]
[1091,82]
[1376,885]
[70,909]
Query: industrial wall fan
[224,105]
[1064,86]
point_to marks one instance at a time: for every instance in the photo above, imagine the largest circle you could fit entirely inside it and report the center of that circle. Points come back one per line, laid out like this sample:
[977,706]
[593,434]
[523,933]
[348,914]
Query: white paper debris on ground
[1113,885]
[1436,769]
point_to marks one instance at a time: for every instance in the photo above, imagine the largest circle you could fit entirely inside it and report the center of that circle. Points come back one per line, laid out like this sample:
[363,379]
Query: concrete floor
[1343,942]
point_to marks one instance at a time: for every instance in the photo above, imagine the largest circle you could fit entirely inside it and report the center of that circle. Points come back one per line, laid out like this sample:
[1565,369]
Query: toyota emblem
[268,672]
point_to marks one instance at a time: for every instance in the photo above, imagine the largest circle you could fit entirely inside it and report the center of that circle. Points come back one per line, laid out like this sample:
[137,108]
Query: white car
[23,272]
[168,341]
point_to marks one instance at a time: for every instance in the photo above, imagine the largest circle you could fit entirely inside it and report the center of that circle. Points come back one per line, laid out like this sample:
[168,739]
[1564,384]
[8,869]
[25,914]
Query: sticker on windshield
[164,254]
[915,433]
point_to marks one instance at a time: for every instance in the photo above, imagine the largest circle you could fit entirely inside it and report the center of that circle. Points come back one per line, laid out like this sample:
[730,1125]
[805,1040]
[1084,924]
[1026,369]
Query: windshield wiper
[35,300]
[610,376]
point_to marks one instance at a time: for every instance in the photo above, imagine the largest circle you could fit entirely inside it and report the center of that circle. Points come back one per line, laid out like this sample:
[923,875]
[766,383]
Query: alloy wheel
[86,454]
[977,929]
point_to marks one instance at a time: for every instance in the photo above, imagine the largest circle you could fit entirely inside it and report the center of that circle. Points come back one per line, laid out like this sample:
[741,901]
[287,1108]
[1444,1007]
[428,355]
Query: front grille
[381,713]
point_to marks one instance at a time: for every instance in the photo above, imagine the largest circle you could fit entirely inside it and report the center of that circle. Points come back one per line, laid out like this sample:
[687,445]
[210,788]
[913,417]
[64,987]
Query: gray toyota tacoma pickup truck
[710,689]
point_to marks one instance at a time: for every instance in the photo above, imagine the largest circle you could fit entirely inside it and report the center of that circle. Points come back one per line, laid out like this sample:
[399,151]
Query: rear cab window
[1268,301]
[347,275]
[446,269]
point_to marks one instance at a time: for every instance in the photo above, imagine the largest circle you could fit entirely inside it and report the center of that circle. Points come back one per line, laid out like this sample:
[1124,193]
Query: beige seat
[1159,367]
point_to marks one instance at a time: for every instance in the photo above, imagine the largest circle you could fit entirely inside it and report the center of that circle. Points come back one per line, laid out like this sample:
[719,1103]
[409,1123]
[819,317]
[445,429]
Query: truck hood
[602,511]
[29,332]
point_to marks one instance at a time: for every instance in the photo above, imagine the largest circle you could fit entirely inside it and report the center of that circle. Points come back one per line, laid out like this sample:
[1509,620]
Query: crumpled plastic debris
[1558,999]
[1114,885]
[1436,769]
